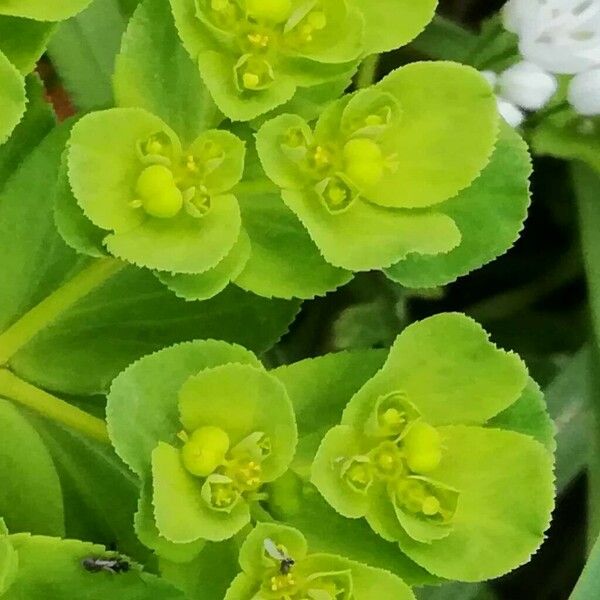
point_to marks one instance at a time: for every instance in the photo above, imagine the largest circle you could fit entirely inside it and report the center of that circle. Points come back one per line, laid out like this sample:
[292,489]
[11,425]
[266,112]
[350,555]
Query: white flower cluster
[556,37]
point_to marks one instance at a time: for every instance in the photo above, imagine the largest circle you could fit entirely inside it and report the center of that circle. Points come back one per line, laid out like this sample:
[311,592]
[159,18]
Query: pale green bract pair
[413,176]
[256,55]
[447,451]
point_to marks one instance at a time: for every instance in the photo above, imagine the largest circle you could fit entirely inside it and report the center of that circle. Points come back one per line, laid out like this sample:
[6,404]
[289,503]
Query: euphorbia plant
[175,423]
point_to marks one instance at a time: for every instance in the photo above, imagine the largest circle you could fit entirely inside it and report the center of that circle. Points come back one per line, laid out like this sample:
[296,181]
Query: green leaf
[261,405]
[568,136]
[469,384]
[133,314]
[390,24]
[193,518]
[204,286]
[12,97]
[84,51]
[588,585]
[40,10]
[35,259]
[284,263]
[209,575]
[569,401]
[34,126]
[529,416]
[23,41]
[77,231]
[506,498]
[320,388]
[444,39]
[100,494]
[9,560]
[489,214]
[45,559]
[30,497]
[143,394]
[153,71]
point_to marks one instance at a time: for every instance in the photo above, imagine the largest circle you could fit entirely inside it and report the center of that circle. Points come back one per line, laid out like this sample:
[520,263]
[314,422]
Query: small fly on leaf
[285,562]
[115,565]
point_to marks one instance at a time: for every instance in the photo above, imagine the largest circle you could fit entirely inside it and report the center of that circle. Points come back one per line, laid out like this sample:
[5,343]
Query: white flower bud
[560,36]
[584,93]
[527,86]
[512,114]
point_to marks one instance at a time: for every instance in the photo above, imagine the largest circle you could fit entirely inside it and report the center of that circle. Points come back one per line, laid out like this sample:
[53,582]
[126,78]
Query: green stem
[587,192]
[15,389]
[49,309]
[367,71]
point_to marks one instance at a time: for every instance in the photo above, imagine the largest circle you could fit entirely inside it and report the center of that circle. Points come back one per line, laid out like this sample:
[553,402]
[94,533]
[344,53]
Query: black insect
[96,564]
[285,562]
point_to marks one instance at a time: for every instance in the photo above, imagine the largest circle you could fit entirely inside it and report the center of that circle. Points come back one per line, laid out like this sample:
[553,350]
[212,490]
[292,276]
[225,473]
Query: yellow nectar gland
[158,193]
[272,11]
[422,447]
[205,450]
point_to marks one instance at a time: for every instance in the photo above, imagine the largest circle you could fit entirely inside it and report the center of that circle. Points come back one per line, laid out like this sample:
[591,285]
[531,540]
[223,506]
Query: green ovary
[422,447]
[363,162]
[159,195]
[205,450]
[274,11]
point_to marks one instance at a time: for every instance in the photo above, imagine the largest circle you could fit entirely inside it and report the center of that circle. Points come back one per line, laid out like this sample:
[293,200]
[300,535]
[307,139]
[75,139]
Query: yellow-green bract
[413,454]
[42,10]
[310,576]
[385,175]
[220,427]
[257,55]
